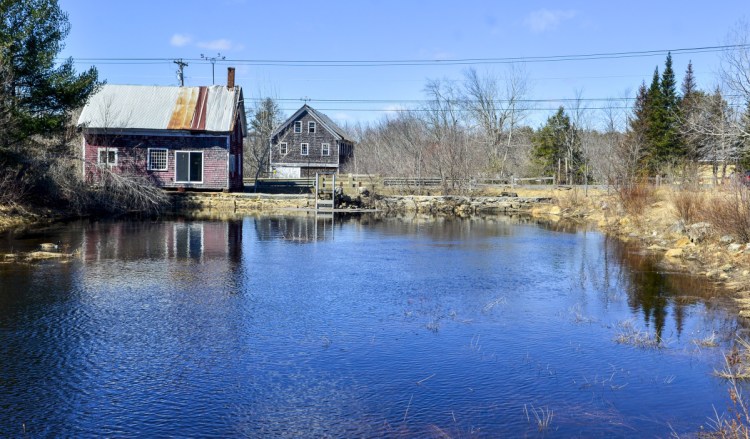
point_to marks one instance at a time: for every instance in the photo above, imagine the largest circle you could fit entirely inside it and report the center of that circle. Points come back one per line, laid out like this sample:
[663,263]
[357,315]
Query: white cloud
[543,20]
[180,40]
[220,44]
[394,110]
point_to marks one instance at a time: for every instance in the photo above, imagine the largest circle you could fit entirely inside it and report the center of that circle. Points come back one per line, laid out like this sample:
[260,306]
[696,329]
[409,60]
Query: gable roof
[320,117]
[143,107]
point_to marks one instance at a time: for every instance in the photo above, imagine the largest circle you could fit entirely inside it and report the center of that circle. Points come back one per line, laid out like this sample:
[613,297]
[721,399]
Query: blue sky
[245,31]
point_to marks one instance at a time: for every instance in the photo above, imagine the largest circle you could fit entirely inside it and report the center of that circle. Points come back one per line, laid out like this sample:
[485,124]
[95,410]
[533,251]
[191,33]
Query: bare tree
[267,116]
[735,62]
[496,111]
[716,130]
[447,153]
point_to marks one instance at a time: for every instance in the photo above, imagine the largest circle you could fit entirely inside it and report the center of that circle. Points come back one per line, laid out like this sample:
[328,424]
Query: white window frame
[304,149]
[107,150]
[298,127]
[325,149]
[203,167]
[283,148]
[150,166]
[312,127]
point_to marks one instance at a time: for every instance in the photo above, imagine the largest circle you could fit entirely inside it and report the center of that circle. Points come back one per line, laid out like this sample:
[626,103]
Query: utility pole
[180,71]
[212,60]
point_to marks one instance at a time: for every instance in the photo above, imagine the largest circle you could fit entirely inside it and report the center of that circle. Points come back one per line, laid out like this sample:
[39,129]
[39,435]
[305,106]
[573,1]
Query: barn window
[107,156]
[189,167]
[283,148]
[304,149]
[298,126]
[325,149]
[157,159]
[311,127]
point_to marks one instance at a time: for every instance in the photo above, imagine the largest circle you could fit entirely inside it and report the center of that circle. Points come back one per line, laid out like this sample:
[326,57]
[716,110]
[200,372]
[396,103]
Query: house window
[311,127]
[189,167]
[157,159]
[325,149]
[298,126]
[283,148]
[107,156]
[304,149]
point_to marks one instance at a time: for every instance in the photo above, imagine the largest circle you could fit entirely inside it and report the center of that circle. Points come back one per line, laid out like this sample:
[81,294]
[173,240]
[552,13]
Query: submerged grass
[631,335]
[542,416]
[736,362]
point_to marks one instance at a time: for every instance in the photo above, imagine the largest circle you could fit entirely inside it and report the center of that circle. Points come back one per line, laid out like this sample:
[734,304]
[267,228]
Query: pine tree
[664,145]
[688,87]
[654,124]
[670,147]
[37,95]
[43,94]
[557,145]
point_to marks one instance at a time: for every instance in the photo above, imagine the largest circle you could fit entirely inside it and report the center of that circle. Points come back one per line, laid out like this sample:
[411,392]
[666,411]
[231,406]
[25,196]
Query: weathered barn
[178,137]
[309,142]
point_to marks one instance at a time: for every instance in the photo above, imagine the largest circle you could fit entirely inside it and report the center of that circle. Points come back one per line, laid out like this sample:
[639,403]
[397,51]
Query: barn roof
[147,107]
[320,117]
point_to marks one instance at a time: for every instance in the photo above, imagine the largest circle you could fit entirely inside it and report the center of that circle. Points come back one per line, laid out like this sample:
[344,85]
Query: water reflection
[301,229]
[379,326]
[198,240]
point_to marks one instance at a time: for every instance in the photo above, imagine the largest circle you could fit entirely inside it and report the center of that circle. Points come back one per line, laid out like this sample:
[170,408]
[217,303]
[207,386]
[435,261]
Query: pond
[303,326]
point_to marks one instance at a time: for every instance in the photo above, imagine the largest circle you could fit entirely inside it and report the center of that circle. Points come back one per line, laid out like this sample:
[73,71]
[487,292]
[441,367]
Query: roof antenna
[305,100]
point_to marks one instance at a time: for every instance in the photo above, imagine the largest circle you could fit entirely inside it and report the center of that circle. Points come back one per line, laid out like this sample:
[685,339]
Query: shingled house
[308,143]
[179,137]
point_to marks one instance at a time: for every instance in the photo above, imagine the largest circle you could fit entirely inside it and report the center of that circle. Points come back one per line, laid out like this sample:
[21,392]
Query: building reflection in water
[129,240]
[300,229]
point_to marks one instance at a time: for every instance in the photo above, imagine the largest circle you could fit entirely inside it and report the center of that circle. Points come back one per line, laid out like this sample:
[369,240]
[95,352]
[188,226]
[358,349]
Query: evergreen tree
[664,145]
[654,124]
[670,147]
[556,148]
[688,83]
[43,94]
[37,95]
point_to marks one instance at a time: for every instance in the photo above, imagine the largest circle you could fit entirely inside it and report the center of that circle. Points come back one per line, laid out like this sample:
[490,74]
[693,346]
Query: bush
[688,205]
[636,196]
[729,212]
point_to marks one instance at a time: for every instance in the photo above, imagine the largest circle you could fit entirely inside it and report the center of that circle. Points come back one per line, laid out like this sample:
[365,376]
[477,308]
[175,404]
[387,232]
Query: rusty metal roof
[142,107]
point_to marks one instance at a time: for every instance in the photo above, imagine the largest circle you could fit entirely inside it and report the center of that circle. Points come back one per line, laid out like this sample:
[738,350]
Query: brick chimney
[230,77]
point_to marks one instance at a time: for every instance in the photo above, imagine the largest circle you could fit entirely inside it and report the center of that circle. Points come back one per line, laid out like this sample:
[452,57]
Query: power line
[433,62]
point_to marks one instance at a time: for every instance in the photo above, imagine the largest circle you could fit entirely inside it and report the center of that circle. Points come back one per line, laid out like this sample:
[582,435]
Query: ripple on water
[373,329]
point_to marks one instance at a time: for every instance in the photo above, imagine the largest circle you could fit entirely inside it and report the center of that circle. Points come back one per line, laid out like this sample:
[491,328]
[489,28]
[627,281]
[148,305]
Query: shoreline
[690,248]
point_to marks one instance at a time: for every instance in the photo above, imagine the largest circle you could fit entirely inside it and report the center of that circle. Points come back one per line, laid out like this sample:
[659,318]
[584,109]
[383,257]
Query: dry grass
[542,416]
[709,341]
[729,212]
[688,205]
[636,196]
[736,362]
[630,335]
[735,423]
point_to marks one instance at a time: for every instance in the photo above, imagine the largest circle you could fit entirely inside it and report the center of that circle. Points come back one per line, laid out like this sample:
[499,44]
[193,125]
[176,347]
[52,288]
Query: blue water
[353,327]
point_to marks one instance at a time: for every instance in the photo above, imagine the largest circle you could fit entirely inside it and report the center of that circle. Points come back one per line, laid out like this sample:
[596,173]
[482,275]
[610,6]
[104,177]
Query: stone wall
[456,205]
[237,202]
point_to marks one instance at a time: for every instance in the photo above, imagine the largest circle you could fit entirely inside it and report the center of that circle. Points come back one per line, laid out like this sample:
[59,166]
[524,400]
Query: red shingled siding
[132,158]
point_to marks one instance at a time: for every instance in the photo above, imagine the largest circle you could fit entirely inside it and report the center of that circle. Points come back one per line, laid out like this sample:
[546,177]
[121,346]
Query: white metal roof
[144,107]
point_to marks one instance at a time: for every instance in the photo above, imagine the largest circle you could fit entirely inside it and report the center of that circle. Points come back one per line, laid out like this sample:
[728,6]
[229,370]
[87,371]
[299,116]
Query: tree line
[477,127]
